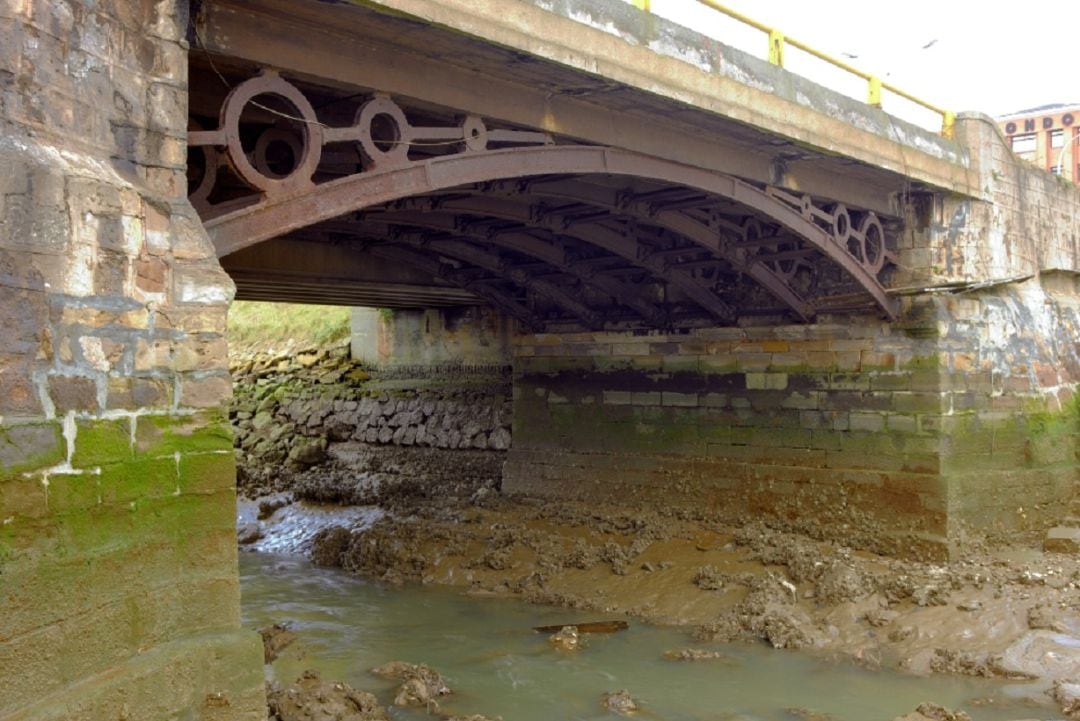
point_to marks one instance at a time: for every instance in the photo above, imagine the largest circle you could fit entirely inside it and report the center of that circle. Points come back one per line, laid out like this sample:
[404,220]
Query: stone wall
[117,555]
[290,413]
[894,437]
[449,338]
[1027,221]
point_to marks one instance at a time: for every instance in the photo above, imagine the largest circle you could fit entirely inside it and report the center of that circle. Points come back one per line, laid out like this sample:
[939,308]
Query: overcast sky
[994,57]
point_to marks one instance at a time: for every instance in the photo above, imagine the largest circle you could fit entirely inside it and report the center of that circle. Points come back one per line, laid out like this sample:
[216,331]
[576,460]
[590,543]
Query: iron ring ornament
[300,131]
[864,239]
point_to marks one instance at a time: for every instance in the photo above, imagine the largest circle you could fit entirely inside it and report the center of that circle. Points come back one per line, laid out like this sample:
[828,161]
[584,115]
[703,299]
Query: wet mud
[1001,612]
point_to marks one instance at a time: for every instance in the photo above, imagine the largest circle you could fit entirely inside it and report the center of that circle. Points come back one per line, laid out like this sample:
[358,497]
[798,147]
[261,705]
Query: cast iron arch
[764,234]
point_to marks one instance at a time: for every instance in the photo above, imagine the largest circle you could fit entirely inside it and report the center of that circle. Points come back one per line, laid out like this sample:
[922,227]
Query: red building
[1048,136]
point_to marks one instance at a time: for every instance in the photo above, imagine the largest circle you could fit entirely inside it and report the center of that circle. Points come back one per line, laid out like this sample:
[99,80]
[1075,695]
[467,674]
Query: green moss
[166,435]
[143,477]
[101,442]
[255,326]
[207,473]
[931,361]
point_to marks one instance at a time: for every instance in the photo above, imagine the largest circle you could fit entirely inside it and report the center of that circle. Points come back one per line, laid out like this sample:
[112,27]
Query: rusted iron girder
[440,269]
[619,242]
[475,256]
[526,243]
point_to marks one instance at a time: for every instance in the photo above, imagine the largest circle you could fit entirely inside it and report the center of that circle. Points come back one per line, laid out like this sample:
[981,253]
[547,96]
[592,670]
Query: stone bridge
[729,288]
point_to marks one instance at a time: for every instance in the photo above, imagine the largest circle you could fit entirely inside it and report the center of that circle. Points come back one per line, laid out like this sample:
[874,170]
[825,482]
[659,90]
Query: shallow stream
[498,666]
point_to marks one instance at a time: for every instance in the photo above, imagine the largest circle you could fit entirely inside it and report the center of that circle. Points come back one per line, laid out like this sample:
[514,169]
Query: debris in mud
[791,591]
[1046,616]
[934,712]
[880,617]
[708,578]
[960,662]
[275,638]
[269,505]
[587,627]
[621,702]
[567,638]
[421,684]
[839,580]
[808,714]
[1067,694]
[698,654]
[312,699]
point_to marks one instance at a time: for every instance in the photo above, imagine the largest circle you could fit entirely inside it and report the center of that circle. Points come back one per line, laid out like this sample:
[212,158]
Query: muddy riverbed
[481,656]
[1011,615]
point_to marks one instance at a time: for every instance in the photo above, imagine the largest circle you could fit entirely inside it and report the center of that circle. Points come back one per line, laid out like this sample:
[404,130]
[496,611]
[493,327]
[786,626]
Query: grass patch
[277,327]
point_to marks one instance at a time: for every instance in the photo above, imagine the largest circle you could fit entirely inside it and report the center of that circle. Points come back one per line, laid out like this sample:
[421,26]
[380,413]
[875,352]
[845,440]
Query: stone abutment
[118,578]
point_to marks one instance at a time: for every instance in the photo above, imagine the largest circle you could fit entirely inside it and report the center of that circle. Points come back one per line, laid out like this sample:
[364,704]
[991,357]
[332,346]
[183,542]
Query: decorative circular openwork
[278,152]
[310,147]
[384,132]
[475,133]
[873,243]
[201,182]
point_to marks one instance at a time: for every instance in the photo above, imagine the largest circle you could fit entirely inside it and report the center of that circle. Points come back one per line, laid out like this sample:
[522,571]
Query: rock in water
[275,638]
[421,685]
[933,712]
[621,702]
[1041,654]
[697,654]
[1067,694]
[566,639]
[312,699]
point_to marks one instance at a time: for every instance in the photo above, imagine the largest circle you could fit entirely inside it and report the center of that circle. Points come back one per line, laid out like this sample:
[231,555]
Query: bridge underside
[685,334]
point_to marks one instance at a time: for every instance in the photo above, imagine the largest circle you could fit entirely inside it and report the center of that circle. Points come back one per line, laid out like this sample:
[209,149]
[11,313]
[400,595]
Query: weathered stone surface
[31,445]
[891,451]
[73,393]
[105,474]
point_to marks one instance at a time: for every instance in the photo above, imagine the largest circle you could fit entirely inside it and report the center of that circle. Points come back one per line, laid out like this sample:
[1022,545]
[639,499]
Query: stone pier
[119,595]
[900,437]
[894,437]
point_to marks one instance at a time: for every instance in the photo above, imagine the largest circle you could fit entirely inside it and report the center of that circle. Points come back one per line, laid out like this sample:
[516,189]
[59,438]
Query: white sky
[992,56]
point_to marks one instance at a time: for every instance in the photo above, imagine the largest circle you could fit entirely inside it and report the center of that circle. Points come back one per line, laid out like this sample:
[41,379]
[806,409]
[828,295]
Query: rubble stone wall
[290,410]
[894,437]
[117,482]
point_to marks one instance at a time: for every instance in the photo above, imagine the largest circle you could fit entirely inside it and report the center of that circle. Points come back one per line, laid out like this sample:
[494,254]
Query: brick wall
[118,577]
[892,437]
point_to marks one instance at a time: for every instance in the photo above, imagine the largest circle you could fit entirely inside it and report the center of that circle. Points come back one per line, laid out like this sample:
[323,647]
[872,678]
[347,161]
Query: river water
[498,666]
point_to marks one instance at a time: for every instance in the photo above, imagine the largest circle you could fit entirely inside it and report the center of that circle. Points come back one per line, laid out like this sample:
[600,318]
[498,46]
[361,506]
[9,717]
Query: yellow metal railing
[778,41]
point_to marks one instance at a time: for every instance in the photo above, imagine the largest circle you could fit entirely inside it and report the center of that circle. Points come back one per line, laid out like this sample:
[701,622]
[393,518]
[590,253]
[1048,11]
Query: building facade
[1048,136]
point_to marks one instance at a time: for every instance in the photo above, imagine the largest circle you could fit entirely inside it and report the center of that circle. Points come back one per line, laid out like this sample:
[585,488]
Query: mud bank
[1012,613]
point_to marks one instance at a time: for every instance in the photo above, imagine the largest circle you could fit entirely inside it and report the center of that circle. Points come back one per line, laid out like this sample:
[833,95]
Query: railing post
[873,91]
[776,47]
[948,123]
[645,5]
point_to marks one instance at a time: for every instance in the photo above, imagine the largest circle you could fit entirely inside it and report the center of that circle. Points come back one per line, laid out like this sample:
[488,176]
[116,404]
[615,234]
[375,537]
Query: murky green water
[498,667]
